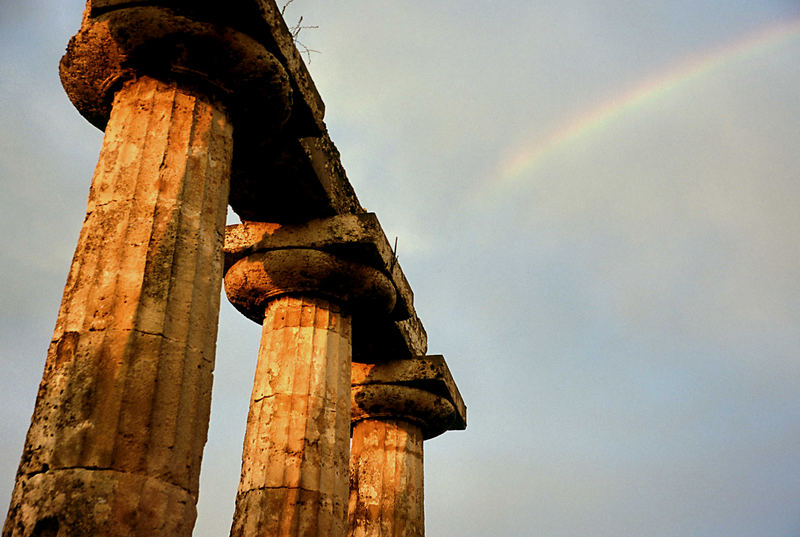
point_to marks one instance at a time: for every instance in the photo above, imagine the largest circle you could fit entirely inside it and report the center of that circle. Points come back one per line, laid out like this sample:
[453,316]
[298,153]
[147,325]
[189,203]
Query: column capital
[354,237]
[122,41]
[252,282]
[420,389]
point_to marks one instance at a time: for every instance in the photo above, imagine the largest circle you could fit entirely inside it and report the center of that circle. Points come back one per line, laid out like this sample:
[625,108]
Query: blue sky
[621,316]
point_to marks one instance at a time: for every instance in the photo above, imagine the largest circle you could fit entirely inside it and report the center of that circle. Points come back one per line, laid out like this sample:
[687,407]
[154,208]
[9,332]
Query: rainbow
[528,156]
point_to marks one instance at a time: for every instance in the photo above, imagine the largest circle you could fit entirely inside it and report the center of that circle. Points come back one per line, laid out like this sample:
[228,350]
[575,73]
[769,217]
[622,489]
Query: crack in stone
[281,487]
[30,475]
[147,333]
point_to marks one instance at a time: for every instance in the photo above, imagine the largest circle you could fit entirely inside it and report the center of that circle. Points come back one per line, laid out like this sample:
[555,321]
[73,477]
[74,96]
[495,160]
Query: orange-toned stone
[297,445]
[294,469]
[396,405]
[386,480]
[420,389]
[121,417]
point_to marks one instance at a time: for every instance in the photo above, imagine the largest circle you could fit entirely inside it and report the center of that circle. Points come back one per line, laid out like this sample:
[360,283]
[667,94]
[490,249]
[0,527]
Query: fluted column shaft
[297,443]
[122,412]
[296,453]
[396,405]
[386,480]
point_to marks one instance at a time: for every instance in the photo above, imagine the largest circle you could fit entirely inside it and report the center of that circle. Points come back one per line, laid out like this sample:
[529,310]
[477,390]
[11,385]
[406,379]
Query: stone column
[395,406]
[296,447]
[386,480]
[121,416]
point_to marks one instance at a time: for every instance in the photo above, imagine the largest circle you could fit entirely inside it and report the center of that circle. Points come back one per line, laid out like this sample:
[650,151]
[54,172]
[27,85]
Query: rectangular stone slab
[291,180]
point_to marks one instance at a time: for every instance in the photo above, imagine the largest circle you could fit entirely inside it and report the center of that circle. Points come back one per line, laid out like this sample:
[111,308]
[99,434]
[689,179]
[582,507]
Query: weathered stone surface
[260,19]
[121,416]
[296,449]
[386,480]
[382,339]
[395,406]
[296,446]
[419,389]
[240,48]
[356,237]
[425,373]
[117,435]
[433,413]
[261,276]
[79,502]
[318,187]
[125,41]
[286,50]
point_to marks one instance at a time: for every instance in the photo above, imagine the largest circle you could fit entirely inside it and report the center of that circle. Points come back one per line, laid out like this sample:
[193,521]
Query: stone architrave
[121,416]
[305,284]
[395,406]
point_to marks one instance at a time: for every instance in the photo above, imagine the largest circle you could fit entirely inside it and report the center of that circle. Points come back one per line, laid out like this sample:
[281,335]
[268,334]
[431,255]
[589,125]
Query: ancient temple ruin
[207,104]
